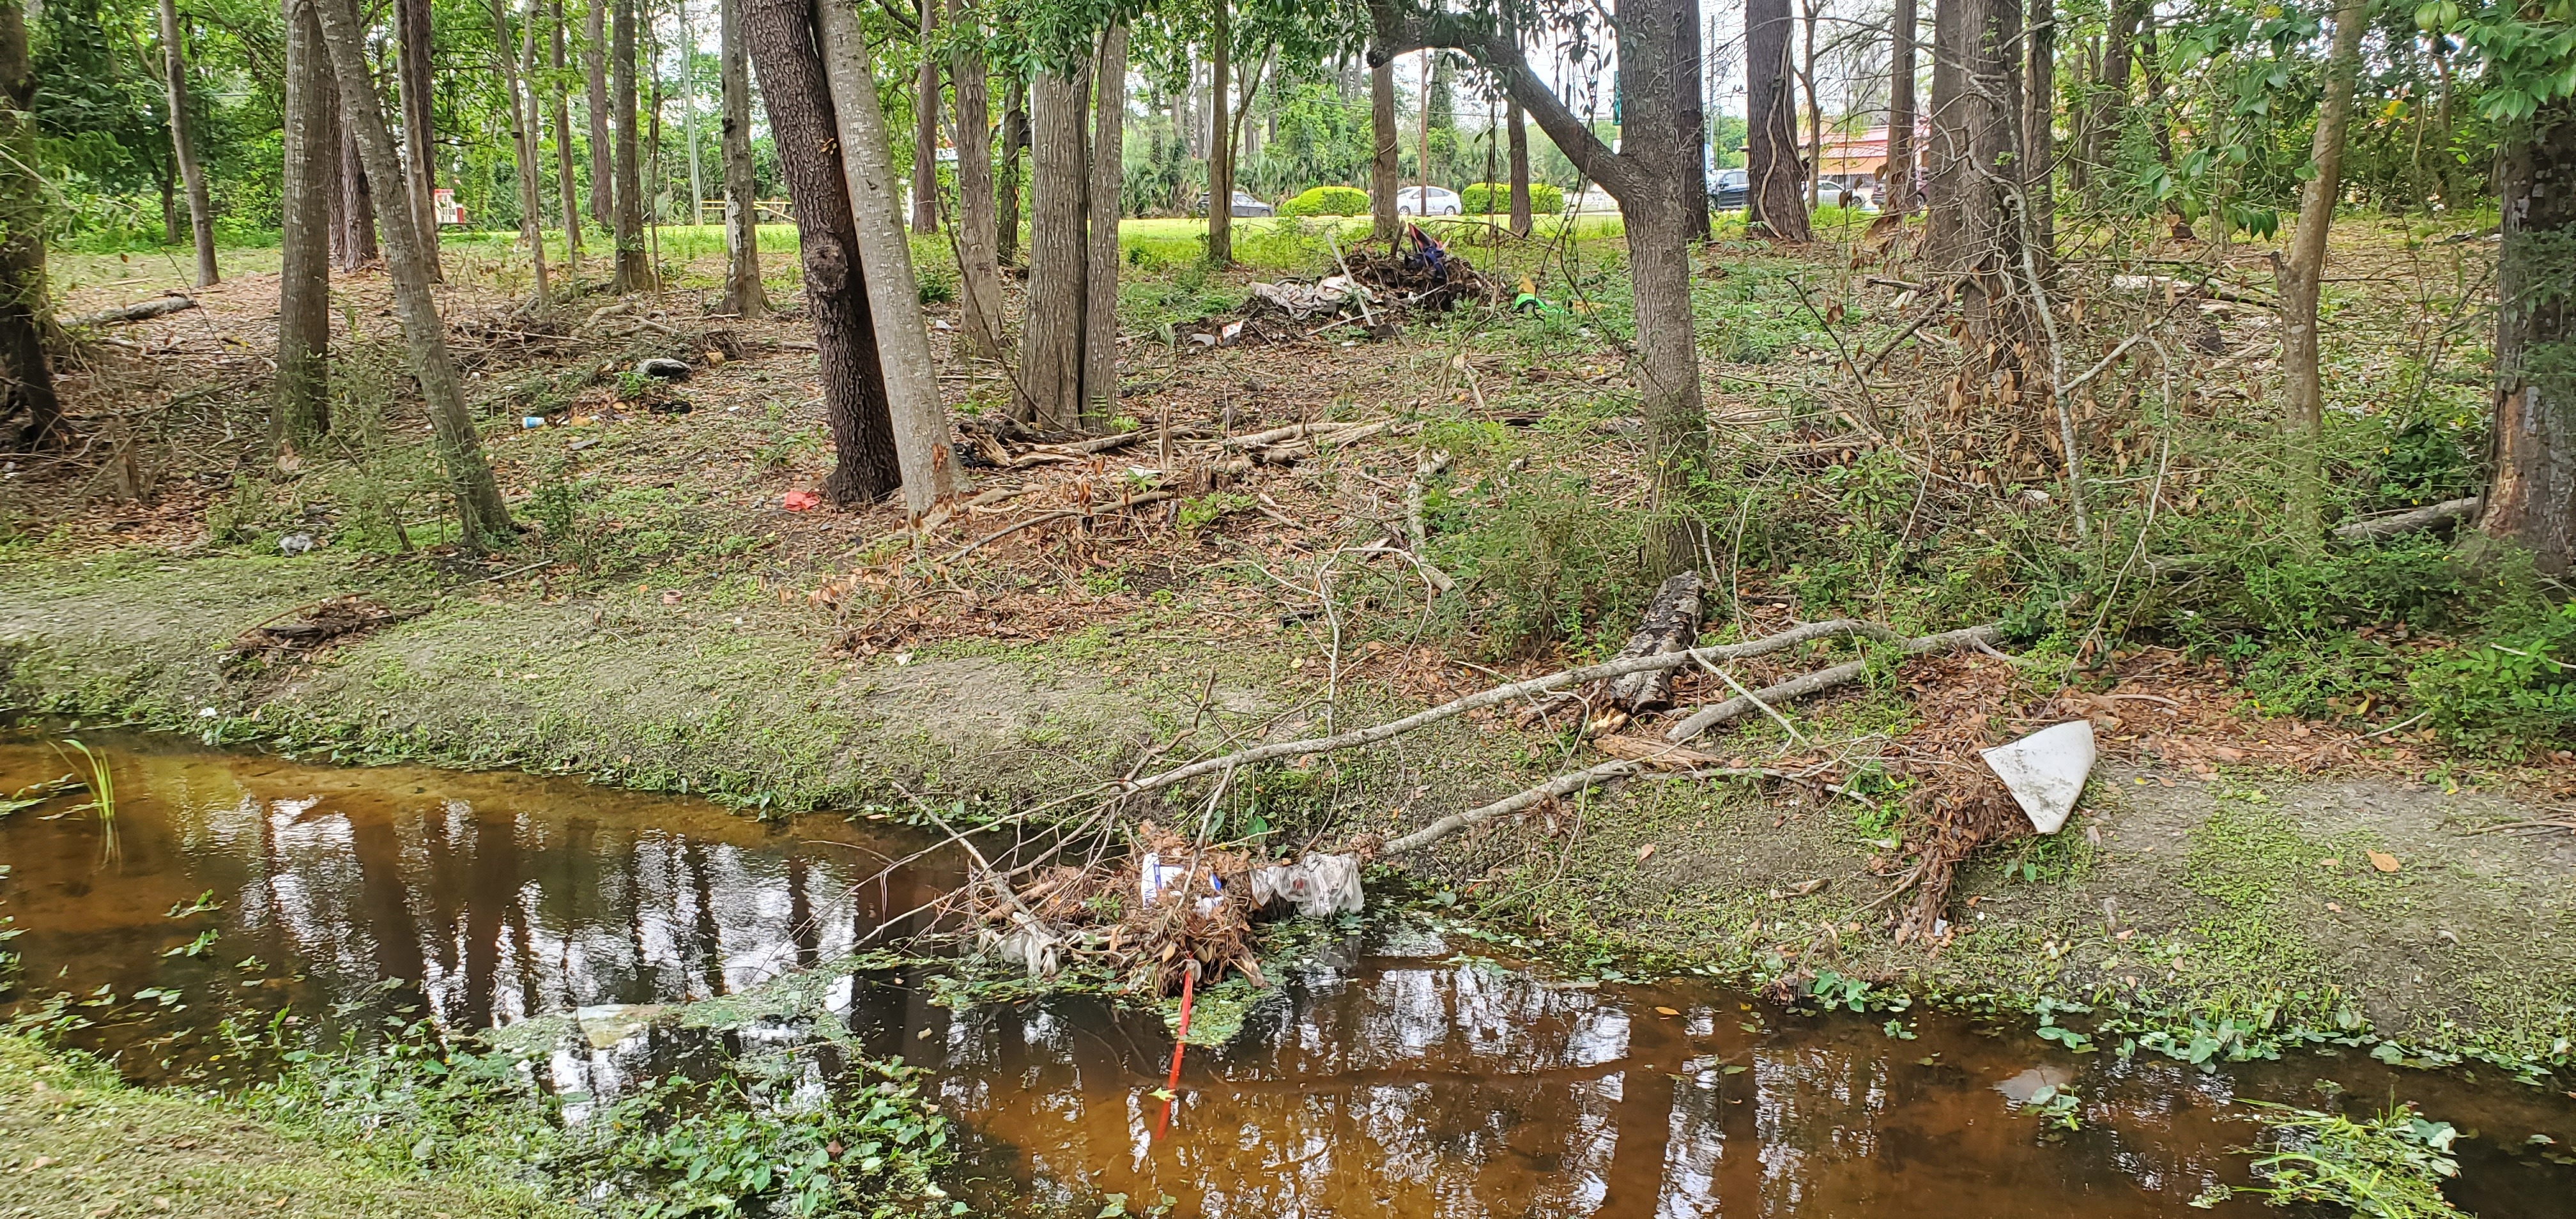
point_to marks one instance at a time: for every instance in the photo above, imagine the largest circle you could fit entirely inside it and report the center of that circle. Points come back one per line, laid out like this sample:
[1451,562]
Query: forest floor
[2285,835]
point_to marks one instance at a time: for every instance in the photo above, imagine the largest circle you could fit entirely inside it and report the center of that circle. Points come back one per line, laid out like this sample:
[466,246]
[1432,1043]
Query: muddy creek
[1394,1074]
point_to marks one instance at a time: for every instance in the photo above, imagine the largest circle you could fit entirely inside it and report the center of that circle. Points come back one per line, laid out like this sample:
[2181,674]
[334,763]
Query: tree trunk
[925,448]
[1976,128]
[743,294]
[1897,172]
[2531,502]
[603,172]
[1521,218]
[168,173]
[1220,230]
[2301,275]
[523,135]
[1815,157]
[689,115]
[2110,93]
[979,273]
[26,375]
[783,41]
[1100,276]
[482,519]
[634,265]
[1006,184]
[2037,156]
[1385,173]
[301,413]
[1689,87]
[564,180]
[357,195]
[1050,381]
[925,128]
[183,144]
[1776,200]
[414,86]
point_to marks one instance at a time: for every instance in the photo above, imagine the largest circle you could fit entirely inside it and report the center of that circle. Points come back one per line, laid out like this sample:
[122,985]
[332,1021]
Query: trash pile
[1153,917]
[1370,289]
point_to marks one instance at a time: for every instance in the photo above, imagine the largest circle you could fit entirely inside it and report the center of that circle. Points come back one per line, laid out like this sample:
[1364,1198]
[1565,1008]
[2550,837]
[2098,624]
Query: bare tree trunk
[1100,276]
[744,296]
[183,144]
[1521,218]
[2305,270]
[1976,128]
[413,85]
[2531,503]
[603,172]
[1776,200]
[785,44]
[523,135]
[925,448]
[357,195]
[301,413]
[634,266]
[1220,228]
[2037,156]
[1898,169]
[1689,90]
[1385,172]
[479,511]
[979,272]
[26,376]
[1006,184]
[564,180]
[925,128]
[1815,175]
[1050,380]
[2110,94]
[689,113]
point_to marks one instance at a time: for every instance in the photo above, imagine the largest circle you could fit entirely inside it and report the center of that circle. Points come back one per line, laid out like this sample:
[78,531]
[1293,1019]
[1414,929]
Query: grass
[2390,1166]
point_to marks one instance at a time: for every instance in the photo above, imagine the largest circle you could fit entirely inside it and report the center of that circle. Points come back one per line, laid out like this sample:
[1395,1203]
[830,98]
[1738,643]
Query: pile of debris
[318,625]
[1369,289]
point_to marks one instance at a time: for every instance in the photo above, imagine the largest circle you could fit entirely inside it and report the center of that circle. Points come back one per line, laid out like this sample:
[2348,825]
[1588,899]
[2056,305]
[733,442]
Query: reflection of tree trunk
[1642,1124]
[491,890]
[801,928]
[301,413]
[743,295]
[705,937]
[183,143]
[386,901]
[1776,199]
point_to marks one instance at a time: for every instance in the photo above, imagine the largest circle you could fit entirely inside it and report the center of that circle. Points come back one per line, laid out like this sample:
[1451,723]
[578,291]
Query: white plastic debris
[294,544]
[2046,771]
[1029,946]
[1318,885]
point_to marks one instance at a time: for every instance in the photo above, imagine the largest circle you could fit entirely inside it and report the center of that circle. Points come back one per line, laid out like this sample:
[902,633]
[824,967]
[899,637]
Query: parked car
[1730,190]
[1844,195]
[1595,201]
[1246,205]
[1441,202]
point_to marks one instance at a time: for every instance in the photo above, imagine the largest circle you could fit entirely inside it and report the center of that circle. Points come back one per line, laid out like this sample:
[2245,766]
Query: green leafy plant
[2387,1167]
[102,796]
[1328,201]
[1490,198]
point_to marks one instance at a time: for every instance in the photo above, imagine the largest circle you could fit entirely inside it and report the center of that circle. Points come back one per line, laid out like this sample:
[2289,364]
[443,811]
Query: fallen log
[1670,624]
[139,311]
[2391,524]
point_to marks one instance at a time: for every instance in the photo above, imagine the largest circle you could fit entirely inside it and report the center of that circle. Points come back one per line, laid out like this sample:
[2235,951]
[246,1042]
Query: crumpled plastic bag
[1301,301]
[1318,885]
[1029,946]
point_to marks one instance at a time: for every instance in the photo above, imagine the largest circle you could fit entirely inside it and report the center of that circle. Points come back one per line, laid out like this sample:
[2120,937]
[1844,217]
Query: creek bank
[2231,910]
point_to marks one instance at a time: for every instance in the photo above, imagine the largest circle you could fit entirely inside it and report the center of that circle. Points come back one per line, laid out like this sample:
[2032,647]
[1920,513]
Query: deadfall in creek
[1393,1069]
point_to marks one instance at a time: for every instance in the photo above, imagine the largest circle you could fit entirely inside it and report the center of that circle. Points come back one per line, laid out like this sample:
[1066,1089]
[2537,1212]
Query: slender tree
[1050,382]
[603,170]
[413,85]
[1777,200]
[1813,180]
[925,448]
[743,296]
[925,127]
[301,413]
[1520,170]
[1385,171]
[1100,273]
[1220,227]
[26,375]
[786,47]
[1898,169]
[1647,175]
[2305,268]
[523,133]
[1688,81]
[2109,94]
[482,519]
[978,267]
[1006,181]
[354,238]
[634,264]
[183,143]
[2036,155]
[564,178]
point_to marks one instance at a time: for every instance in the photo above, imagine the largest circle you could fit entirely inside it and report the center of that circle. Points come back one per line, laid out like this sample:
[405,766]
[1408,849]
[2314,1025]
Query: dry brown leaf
[1644,851]
[2384,861]
[1666,1011]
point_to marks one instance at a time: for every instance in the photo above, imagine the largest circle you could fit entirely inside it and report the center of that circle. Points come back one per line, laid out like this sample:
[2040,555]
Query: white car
[1441,202]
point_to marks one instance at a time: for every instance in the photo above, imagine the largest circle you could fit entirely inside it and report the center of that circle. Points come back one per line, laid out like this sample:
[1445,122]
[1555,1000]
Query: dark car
[1246,205]
[1730,189]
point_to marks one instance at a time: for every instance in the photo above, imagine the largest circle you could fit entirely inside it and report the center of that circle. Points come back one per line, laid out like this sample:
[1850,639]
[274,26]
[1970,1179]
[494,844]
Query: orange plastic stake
[1189,990]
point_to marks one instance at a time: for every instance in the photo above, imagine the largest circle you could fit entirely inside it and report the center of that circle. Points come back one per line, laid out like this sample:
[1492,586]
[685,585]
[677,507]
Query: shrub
[1328,201]
[1488,198]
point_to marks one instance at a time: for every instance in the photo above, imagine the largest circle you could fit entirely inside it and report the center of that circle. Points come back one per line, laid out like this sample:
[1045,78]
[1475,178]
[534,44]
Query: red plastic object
[1189,989]
[799,501]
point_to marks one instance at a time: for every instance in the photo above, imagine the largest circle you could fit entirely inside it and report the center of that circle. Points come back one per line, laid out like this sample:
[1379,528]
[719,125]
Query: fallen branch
[2391,524]
[1835,629]
[1705,718]
[139,311]
[1138,501]
[1562,785]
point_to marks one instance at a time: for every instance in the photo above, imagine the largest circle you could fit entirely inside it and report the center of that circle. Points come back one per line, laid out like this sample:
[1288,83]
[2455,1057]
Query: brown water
[1393,1075]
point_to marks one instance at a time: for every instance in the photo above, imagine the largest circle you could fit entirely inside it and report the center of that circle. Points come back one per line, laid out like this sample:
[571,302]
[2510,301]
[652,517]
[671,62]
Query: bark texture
[414,86]
[634,264]
[1385,172]
[2110,93]
[480,515]
[2531,502]
[565,182]
[603,171]
[183,143]
[1006,181]
[523,134]
[2305,269]
[743,294]
[1220,230]
[1778,196]
[1897,179]
[1050,381]
[301,412]
[925,448]
[783,41]
[1521,218]
[925,128]
[26,375]
[979,272]
[1100,274]
[1976,91]
[354,237]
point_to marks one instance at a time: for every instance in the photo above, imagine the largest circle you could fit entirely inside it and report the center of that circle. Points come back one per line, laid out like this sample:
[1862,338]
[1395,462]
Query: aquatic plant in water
[2388,1167]
[102,788]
